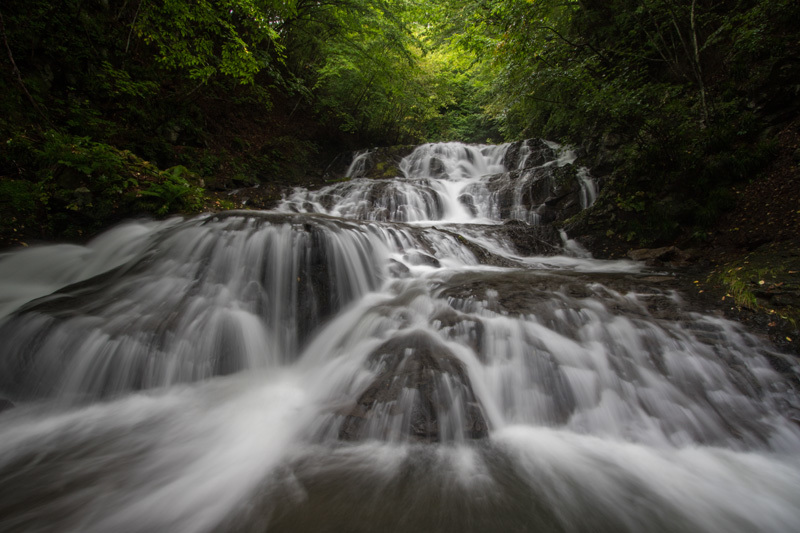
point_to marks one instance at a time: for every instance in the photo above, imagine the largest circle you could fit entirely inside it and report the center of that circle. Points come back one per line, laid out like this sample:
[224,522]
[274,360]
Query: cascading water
[454,183]
[383,355]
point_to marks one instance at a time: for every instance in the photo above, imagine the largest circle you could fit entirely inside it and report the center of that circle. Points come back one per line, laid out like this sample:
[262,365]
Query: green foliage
[81,186]
[173,192]
[250,91]
[737,286]
[234,38]
[679,85]
[18,207]
[766,280]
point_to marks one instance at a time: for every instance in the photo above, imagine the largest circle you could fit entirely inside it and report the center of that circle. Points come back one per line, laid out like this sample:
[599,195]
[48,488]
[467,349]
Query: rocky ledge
[421,393]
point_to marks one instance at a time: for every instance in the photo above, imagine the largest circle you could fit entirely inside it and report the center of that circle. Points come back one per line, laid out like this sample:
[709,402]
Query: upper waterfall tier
[534,181]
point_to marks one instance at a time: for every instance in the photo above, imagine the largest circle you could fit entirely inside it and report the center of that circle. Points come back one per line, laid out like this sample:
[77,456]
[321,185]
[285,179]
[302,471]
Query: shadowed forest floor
[751,263]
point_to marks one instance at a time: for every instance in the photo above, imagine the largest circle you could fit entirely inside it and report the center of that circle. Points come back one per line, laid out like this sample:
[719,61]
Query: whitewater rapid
[381,355]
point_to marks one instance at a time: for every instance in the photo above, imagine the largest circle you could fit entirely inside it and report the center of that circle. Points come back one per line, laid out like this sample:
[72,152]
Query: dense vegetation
[118,107]
[115,107]
[672,98]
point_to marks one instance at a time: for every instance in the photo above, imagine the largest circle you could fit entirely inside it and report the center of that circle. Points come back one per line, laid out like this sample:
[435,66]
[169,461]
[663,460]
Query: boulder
[419,258]
[532,240]
[667,255]
[422,393]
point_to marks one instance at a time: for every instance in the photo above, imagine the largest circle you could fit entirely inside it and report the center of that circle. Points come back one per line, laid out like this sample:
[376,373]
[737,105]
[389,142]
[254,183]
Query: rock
[484,256]
[667,255]
[5,405]
[527,154]
[652,254]
[469,202]
[419,258]
[532,240]
[437,168]
[398,269]
[422,394]
[379,163]
[337,168]
[552,192]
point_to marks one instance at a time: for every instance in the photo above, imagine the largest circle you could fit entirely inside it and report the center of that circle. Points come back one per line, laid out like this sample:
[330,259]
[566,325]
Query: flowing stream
[384,355]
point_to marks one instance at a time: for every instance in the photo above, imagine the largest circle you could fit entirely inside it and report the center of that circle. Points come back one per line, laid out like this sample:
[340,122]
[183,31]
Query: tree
[235,38]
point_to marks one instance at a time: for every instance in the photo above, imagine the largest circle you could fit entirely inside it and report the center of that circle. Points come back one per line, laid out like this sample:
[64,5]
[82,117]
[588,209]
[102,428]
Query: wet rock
[531,292]
[422,394]
[667,255]
[314,290]
[469,202]
[5,405]
[419,258]
[398,269]
[552,193]
[380,163]
[512,293]
[337,168]
[532,240]
[527,154]
[466,328]
[484,256]
[437,168]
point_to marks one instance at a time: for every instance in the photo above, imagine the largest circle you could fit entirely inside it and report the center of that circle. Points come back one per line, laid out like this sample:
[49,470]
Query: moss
[766,280]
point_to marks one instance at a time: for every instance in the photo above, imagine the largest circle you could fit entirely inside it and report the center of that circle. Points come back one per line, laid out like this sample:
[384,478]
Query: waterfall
[456,183]
[418,354]
[358,165]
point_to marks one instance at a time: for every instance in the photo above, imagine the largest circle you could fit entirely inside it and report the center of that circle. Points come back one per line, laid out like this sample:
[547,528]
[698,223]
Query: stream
[420,354]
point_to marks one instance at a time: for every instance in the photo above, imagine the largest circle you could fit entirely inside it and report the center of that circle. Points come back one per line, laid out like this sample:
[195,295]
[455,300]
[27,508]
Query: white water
[234,373]
[449,182]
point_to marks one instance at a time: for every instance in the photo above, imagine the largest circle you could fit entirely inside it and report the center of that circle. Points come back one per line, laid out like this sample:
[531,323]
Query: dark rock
[538,153]
[419,258]
[484,256]
[5,405]
[422,393]
[552,192]
[469,202]
[457,324]
[337,168]
[667,255]
[398,269]
[437,168]
[380,163]
[532,240]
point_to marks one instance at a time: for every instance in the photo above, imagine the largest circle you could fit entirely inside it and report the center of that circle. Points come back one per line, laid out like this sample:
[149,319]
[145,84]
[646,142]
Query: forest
[117,108]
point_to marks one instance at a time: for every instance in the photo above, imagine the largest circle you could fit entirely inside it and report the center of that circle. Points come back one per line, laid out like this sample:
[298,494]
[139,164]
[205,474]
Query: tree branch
[133,24]
[16,71]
